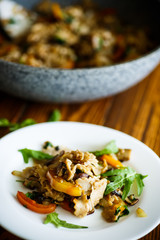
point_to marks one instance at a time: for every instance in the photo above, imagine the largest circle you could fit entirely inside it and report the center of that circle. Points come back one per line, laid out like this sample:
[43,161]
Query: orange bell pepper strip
[57,11]
[33,206]
[112,161]
[60,185]
[69,65]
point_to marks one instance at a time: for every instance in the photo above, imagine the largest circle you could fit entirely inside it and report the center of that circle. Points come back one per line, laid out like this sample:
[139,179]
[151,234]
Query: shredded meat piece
[83,205]
[40,32]
[83,161]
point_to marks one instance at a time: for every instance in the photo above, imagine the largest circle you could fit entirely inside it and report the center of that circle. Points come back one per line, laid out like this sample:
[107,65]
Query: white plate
[29,225]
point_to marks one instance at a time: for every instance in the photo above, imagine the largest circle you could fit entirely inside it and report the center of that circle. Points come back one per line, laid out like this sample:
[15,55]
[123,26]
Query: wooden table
[135,112]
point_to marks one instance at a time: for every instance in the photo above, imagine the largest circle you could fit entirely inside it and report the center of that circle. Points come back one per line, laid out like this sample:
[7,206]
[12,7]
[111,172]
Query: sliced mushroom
[117,192]
[91,212]
[81,175]
[55,158]
[124,154]
[131,200]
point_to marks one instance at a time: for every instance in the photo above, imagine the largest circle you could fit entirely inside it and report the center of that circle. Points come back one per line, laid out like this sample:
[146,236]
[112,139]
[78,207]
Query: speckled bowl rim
[82,69]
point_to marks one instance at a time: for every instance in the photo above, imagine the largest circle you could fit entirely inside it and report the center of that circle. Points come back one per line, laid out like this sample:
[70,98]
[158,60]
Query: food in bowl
[79,181]
[77,36]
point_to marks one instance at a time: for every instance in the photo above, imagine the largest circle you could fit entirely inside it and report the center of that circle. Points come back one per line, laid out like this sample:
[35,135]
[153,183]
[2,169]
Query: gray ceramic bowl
[77,85]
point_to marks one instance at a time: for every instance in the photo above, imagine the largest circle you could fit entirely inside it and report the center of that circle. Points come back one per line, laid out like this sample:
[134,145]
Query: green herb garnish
[123,177]
[100,44]
[111,147]
[38,155]
[53,218]
[12,21]
[47,144]
[120,214]
[59,40]
[68,18]
[4,122]
[29,195]
[25,123]
[55,116]
[29,184]
[21,181]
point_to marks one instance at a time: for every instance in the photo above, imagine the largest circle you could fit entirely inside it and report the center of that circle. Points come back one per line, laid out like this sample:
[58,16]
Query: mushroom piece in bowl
[78,60]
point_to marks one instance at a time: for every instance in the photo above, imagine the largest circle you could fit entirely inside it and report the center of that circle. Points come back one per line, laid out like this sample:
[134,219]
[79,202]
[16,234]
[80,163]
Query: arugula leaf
[55,116]
[38,155]
[140,183]
[127,186]
[4,122]
[123,177]
[53,218]
[25,123]
[111,147]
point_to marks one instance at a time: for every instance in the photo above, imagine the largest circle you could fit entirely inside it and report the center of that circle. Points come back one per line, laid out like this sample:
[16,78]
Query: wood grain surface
[135,112]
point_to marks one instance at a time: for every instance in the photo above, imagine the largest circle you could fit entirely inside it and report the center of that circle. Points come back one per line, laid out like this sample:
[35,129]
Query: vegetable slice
[140,212]
[61,185]
[112,161]
[33,206]
[68,64]
[66,205]
[121,211]
[57,11]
